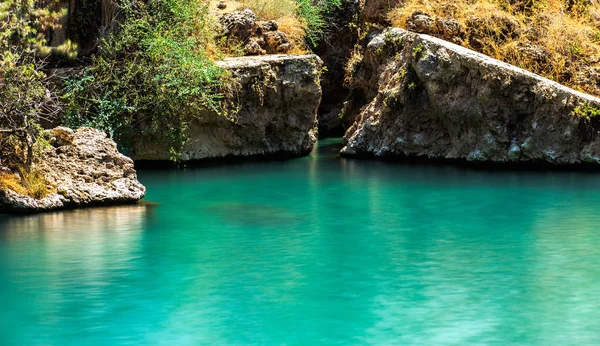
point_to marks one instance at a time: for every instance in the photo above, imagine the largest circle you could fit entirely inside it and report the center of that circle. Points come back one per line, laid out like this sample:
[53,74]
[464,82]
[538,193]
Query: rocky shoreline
[405,97]
[82,168]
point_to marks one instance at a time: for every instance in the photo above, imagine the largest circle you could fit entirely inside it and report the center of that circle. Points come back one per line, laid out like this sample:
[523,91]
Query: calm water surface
[314,251]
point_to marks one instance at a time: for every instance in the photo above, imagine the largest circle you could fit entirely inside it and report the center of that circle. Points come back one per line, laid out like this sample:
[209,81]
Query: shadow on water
[251,214]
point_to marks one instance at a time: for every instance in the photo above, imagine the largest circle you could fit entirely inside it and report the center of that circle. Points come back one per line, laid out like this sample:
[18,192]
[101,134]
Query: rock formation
[276,98]
[429,98]
[257,37]
[82,168]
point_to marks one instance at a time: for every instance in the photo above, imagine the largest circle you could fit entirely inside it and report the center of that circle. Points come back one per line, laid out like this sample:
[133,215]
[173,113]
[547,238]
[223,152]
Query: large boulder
[433,99]
[81,168]
[276,98]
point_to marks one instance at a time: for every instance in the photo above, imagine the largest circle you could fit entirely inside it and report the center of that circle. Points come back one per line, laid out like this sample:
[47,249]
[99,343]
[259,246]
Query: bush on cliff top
[558,39]
[151,76]
[157,70]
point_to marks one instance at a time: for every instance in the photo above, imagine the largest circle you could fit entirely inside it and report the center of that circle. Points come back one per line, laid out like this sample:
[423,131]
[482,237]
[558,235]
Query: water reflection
[116,218]
[57,266]
[313,251]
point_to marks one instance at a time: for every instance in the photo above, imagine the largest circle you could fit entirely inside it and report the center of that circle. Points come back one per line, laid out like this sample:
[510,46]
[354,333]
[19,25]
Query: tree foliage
[26,96]
[151,76]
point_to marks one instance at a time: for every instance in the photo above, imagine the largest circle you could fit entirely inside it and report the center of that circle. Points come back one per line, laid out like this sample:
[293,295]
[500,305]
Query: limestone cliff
[276,97]
[432,99]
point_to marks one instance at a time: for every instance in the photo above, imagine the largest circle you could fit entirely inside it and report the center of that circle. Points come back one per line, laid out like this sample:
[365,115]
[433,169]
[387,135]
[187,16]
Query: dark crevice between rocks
[515,127]
[416,93]
[589,128]
[335,49]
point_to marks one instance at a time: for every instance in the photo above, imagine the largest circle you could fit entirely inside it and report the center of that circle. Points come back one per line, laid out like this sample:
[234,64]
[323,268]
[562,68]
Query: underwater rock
[252,214]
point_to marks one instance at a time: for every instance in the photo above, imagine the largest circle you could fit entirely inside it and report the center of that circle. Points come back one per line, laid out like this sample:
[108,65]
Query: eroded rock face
[256,37]
[277,97]
[83,168]
[434,99]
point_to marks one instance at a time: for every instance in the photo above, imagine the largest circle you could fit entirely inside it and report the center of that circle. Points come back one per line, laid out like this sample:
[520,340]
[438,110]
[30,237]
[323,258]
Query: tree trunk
[29,159]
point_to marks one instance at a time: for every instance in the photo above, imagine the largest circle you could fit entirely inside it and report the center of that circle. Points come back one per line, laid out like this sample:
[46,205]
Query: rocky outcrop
[429,98]
[257,37]
[276,98]
[81,168]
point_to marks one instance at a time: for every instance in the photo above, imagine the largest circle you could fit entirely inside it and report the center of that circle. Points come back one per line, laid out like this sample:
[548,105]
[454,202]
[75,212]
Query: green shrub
[417,52]
[586,111]
[316,13]
[150,77]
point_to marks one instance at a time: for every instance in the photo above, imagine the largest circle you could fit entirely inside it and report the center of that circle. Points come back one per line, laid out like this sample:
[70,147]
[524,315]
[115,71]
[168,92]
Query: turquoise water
[313,251]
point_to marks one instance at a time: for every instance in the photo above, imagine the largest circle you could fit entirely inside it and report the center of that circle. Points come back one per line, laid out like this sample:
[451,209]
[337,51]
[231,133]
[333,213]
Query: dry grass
[295,28]
[230,6]
[271,9]
[32,184]
[549,37]
[11,181]
[35,183]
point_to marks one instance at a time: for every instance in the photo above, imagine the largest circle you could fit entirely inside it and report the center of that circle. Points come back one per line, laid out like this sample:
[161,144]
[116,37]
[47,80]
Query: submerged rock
[430,98]
[82,168]
[276,98]
[252,214]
